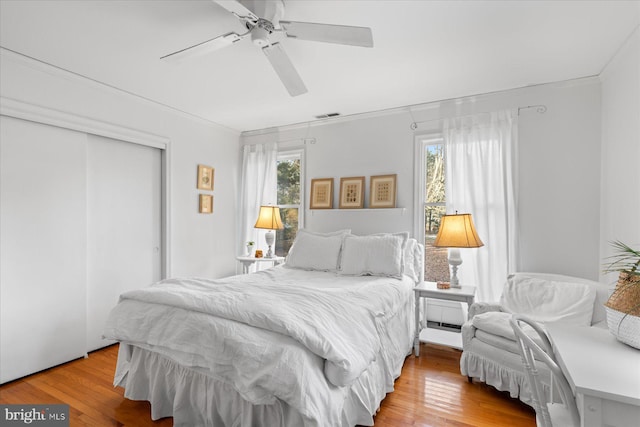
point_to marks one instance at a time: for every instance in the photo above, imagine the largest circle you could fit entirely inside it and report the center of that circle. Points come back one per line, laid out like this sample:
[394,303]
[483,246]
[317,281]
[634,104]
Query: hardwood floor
[430,392]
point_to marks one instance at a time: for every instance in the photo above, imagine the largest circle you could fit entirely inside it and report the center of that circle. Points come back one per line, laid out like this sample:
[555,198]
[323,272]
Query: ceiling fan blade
[204,47]
[284,68]
[340,34]
[237,8]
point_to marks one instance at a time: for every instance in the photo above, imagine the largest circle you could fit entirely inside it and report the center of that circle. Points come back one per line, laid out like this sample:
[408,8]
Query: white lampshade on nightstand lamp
[269,219]
[456,231]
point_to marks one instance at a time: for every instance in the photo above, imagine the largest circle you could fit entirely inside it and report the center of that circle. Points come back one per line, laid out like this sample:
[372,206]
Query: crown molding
[56,71]
[414,108]
[36,113]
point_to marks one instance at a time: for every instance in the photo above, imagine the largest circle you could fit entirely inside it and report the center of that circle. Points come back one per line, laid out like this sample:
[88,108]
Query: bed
[317,341]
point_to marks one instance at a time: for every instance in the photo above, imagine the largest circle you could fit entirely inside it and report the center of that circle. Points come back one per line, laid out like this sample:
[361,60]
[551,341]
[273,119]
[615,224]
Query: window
[290,197]
[433,201]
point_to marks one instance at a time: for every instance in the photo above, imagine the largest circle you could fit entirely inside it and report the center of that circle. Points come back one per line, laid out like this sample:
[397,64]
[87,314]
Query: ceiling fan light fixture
[259,36]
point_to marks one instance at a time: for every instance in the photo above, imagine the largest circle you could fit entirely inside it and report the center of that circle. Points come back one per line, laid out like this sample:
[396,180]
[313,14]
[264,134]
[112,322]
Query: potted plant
[623,307]
[250,247]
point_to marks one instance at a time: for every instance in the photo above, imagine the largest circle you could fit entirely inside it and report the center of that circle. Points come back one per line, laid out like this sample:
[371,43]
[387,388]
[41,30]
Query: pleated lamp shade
[269,218]
[457,231]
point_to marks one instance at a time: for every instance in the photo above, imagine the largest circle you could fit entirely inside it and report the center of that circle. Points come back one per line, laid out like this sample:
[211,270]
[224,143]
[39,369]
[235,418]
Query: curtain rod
[303,141]
[540,109]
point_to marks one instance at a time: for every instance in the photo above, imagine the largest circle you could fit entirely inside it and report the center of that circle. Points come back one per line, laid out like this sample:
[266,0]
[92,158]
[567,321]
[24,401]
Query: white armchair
[490,352]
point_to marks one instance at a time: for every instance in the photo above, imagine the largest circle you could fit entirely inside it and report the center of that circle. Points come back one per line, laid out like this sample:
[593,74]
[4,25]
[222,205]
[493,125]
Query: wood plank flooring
[430,392]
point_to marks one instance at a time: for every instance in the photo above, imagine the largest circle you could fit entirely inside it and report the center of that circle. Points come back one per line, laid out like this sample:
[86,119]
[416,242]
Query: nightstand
[248,261]
[430,290]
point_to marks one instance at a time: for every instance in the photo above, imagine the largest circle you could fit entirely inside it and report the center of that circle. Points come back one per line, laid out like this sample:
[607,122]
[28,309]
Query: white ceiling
[423,51]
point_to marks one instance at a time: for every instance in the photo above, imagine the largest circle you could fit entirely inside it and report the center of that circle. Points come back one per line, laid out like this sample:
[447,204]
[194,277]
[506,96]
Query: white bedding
[300,337]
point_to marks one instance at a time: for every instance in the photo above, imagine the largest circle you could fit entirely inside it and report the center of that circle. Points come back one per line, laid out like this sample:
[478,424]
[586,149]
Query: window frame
[420,176]
[291,154]
[432,255]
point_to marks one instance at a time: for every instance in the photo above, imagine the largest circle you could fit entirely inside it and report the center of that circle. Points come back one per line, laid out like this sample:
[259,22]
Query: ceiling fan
[262,19]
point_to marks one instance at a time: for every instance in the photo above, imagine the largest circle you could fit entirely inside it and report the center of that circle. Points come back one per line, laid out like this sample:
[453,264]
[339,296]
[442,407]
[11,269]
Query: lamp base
[454,261]
[454,282]
[269,253]
[270,238]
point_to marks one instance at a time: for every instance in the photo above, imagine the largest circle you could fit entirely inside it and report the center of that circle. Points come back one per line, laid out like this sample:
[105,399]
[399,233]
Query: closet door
[123,226]
[43,238]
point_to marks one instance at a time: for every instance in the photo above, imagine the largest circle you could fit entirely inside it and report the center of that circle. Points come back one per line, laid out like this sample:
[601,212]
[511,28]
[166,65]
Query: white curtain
[481,155]
[259,187]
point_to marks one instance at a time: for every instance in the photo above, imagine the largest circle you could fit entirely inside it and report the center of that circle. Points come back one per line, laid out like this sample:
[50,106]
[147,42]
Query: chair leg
[470,379]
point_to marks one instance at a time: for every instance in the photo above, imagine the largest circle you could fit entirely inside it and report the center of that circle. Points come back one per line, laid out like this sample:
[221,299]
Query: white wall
[559,174]
[620,218]
[200,245]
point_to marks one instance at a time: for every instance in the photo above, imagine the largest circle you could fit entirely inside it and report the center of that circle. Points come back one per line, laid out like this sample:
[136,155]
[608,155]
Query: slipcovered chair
[489,349]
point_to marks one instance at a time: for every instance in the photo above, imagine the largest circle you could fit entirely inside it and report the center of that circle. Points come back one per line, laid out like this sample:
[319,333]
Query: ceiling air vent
[327,116]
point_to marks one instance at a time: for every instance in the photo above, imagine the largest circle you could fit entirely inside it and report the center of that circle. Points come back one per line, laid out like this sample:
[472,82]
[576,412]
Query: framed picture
[205,177]
[321,193]
[382,191]
[206,203]
[352,192]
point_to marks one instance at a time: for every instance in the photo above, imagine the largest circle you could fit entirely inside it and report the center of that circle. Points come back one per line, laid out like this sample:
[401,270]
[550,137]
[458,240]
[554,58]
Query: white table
[248,261]
[603,373]
[430,290]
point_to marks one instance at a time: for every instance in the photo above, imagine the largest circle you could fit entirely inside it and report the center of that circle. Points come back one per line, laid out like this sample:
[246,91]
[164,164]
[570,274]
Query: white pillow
[549,301]
[413,259]
[409,262]
[316,251]
[375,254]
[418,261]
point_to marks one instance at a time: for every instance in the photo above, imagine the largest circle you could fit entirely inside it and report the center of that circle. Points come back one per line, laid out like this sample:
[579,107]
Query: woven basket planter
[623,310]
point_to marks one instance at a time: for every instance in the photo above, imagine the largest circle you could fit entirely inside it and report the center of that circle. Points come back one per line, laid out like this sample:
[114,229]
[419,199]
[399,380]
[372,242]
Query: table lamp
[269,219]
[457,231]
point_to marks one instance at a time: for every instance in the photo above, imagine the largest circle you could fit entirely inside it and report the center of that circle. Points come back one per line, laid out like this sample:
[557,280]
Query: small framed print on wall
[205,177]
[206,203]
[321,193]
[382,191]
[352,192]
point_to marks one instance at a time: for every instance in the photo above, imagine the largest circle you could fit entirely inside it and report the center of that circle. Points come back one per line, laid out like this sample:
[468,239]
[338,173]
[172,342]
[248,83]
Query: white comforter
[270,335]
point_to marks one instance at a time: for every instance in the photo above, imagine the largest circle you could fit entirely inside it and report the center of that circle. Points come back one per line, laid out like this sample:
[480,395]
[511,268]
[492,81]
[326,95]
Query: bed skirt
[189,395]
[194,398]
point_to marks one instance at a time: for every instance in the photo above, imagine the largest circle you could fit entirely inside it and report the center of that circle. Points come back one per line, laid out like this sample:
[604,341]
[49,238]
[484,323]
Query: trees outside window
[290,196]
[436,264]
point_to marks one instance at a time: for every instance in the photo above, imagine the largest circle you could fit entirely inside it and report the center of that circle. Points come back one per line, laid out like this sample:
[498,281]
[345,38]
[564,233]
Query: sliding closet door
[42,246]
[123,225]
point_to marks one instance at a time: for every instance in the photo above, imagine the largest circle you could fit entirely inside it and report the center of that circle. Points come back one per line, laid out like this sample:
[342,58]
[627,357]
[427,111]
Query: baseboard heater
[444,326]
